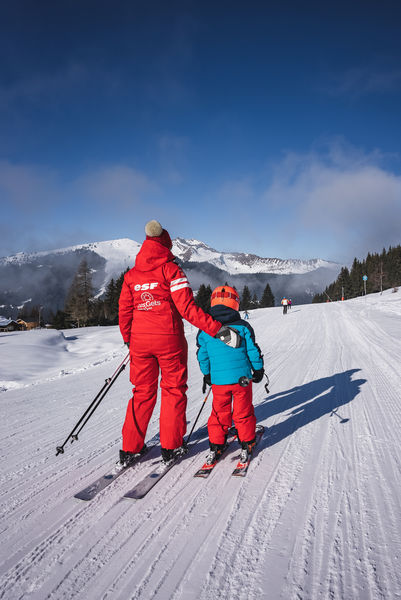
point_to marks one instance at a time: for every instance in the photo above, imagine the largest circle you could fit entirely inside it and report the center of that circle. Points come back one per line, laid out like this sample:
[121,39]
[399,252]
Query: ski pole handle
[244,381]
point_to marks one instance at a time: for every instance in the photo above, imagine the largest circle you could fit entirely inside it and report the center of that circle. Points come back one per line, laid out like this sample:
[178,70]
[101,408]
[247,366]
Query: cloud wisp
[344,196]
[113,185]
[42,208]
[362,81]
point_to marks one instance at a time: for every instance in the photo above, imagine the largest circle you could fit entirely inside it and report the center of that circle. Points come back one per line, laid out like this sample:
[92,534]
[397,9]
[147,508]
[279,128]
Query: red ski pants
[242,413]
[148,354]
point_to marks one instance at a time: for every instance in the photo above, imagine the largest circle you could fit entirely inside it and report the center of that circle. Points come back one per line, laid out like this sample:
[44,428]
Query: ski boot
[246,450]
[216,450]
[170,455]
[126,458]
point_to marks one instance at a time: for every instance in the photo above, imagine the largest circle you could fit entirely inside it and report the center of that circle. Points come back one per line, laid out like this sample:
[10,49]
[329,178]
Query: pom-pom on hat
[226,295]
[153,228]
[154,231]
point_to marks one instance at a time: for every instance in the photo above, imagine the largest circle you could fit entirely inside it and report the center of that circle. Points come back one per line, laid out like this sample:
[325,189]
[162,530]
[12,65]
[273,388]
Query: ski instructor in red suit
[154,299]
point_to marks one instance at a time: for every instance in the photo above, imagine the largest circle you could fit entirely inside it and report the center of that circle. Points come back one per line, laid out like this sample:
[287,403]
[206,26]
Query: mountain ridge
[44,277]
[187,250]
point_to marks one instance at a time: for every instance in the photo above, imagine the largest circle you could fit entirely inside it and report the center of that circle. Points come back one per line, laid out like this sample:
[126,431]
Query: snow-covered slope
[317,517]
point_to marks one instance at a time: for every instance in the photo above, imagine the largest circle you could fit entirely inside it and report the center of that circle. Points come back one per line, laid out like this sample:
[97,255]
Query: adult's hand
[229,336]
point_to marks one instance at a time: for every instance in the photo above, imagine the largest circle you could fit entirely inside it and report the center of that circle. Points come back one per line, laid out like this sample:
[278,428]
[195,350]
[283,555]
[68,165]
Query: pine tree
[111,301]
[343,285]
[80,296]
[267,299]
[246,299]
[209,297]
[383,270]
[255,301]
[60,320]
[118,286]
[202,297]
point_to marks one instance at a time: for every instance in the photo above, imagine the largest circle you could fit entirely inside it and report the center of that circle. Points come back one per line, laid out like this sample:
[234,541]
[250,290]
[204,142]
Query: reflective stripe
[175,281]
[179,287]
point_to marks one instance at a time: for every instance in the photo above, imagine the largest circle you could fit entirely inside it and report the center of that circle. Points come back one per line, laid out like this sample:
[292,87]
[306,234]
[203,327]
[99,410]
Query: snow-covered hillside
[120,254]
[317,517]
[44,278]
[117,254]
[236,263]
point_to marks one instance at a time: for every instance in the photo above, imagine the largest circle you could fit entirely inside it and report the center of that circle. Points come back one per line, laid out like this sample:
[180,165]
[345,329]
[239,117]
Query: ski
[206,469]
[242,468]
[149,481]
[100,484]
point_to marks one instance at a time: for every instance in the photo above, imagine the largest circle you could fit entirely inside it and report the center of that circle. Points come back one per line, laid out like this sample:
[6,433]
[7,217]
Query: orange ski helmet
[226,295]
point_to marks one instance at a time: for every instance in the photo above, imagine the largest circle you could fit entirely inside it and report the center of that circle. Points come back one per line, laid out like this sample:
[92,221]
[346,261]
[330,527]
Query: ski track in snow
[317,517]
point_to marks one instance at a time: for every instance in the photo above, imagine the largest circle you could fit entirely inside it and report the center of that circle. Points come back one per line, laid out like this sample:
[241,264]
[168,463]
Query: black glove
[258,375]
[206,381]
[126,344]
[229,336]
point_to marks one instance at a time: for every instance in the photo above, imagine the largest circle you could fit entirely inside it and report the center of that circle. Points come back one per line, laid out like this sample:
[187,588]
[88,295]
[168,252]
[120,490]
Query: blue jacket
[226,365]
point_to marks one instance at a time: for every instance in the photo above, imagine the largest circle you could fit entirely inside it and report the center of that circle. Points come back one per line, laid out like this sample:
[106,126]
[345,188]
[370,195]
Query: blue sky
[271,128]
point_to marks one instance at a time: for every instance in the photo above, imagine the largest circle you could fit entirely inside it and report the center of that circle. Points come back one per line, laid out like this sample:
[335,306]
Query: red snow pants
[148,354]
[222,415]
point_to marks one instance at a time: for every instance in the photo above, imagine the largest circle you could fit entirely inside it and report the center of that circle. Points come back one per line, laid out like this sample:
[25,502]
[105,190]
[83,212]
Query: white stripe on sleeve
[175,288]
[180,280]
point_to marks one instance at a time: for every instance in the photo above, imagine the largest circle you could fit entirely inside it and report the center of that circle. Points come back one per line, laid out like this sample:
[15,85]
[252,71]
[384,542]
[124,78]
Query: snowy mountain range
[44,277]
[236,263]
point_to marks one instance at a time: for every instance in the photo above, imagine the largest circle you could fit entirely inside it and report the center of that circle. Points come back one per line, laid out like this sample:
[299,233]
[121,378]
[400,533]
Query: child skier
[222,367]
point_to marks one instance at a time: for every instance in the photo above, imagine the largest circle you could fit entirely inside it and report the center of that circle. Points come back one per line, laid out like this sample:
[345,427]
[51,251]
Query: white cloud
[27,187]
[344,195]
[115,184]
[38,205]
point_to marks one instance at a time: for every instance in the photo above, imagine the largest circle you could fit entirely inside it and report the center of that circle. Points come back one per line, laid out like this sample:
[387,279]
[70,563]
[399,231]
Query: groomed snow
[317,517]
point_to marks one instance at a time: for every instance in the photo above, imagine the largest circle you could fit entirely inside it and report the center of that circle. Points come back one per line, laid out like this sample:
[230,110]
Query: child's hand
[258,375]
[206,381]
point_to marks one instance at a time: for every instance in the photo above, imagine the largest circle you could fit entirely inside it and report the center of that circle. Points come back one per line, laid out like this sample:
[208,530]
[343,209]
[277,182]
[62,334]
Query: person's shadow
[303,404]
[306,403]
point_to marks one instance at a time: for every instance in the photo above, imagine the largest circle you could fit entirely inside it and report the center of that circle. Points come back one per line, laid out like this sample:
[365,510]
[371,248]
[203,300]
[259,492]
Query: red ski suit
[154,298]
[223,415]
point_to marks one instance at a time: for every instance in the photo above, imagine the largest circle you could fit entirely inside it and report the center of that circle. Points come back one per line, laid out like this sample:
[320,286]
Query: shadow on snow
[303,404]
[307,403]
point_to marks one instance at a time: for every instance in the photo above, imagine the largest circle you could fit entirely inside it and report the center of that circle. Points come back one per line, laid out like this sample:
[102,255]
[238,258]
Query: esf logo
[145,286]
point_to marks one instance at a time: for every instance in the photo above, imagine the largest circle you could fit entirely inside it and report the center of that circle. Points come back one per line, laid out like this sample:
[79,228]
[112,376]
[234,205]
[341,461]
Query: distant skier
[284,302]
[289,303]
[246,315]
[154,299]
[222,367]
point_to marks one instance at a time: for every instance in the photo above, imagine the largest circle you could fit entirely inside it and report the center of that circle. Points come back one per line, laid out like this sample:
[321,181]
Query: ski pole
[109,382]
[196,420]
[93,406]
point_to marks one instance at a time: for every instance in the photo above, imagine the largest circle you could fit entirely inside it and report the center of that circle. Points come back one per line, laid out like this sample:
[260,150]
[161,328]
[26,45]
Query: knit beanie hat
[154,231]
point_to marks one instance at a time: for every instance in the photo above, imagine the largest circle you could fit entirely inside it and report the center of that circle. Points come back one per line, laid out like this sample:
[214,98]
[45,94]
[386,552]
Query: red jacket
[156,296]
